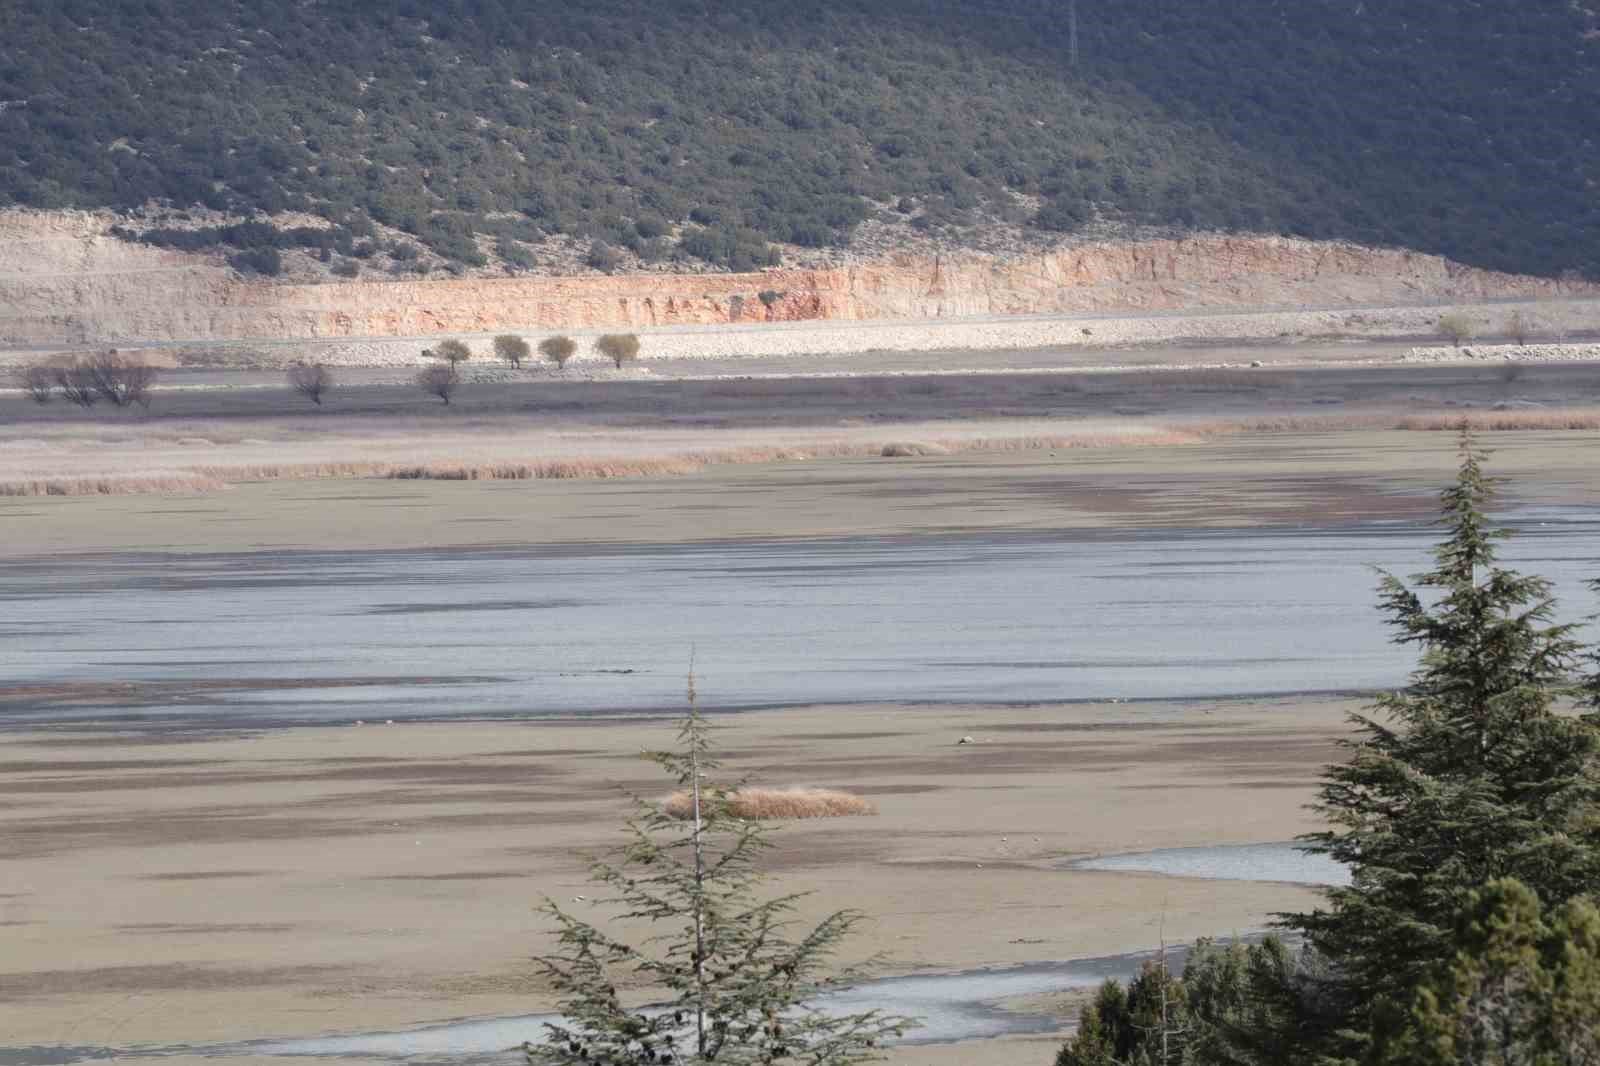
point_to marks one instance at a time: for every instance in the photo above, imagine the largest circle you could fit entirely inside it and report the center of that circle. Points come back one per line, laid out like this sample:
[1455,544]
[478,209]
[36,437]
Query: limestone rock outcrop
[64,280]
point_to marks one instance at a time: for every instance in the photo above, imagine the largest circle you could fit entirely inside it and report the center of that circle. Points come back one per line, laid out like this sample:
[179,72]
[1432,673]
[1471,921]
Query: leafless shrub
[37,380]
[768,804]
[618,347]
[311,380]
[439,380]
[1511,370]
[558,350]
[121,379]
[511,348]
[76,383]
[1520,326]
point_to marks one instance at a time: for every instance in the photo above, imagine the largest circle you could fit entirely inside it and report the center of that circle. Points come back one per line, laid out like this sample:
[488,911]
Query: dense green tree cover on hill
[1458,126]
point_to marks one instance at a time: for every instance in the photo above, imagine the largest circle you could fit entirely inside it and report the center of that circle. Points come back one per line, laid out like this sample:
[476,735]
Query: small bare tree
[37,380]
[119,378]
[1520,326]
[440,379]
[311,380]
[76,383]
[452,352]
[511,348]
[618,347]
[1456,328]
[558,350]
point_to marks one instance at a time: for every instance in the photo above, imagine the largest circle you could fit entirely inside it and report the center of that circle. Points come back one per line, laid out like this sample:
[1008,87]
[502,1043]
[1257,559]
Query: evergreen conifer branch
[735,986]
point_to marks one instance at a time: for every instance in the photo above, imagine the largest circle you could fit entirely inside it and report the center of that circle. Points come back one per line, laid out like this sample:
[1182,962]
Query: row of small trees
[120,380]
[1468,812]
[442,378]
[619,348]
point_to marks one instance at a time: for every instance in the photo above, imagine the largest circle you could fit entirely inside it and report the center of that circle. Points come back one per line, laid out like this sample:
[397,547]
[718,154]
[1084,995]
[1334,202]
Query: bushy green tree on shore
[1236,1004]
[1468,775]
[1523,987]
[1468,811]
[736,987]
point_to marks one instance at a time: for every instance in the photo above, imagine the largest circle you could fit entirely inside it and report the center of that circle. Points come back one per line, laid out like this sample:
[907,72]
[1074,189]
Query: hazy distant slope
[1453,126]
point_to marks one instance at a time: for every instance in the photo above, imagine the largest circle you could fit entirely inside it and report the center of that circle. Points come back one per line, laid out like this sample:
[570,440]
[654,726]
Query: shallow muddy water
[252,640]
[1238,862]
[951,1008]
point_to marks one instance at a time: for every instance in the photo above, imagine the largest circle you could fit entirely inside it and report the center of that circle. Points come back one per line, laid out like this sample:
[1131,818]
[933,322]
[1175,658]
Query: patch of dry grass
[775,804]
[1505,421]
[209,477]
[170,484]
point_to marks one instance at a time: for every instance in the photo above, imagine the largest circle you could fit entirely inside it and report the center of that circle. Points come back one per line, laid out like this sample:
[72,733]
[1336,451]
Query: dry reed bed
[169,484]
[214,477]
[775,804]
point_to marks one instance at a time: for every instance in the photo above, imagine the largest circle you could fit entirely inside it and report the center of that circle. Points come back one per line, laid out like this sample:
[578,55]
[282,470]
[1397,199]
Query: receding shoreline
[362,879]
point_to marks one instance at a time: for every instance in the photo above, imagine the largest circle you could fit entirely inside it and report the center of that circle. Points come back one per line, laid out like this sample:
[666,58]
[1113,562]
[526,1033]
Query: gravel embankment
[1510,353]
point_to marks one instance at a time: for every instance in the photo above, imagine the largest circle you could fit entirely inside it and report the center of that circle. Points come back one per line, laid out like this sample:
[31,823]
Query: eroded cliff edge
[64,280]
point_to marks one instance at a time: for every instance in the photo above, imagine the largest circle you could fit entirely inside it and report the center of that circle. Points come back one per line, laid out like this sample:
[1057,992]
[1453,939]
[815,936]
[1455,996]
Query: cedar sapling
[734,986]
[1467,775]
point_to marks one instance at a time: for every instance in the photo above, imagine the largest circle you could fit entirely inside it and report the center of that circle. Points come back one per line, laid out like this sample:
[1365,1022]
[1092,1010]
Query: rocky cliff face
[65,281]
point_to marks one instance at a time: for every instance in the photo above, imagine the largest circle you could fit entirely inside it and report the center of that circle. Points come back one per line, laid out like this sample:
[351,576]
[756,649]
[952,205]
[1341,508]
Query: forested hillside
[712,128]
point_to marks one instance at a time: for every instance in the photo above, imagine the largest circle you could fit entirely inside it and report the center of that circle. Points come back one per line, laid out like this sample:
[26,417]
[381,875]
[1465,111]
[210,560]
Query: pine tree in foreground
[1469,776]
[733,986]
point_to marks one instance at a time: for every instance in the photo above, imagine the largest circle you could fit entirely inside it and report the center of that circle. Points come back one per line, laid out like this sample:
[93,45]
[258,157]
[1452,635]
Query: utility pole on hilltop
[1072,32]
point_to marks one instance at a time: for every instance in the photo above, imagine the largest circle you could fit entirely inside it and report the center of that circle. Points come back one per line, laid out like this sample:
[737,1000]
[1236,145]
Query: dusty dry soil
[193,888]
[190,887]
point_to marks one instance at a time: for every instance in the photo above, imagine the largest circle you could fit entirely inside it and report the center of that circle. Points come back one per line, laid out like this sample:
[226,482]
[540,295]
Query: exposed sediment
[65,280]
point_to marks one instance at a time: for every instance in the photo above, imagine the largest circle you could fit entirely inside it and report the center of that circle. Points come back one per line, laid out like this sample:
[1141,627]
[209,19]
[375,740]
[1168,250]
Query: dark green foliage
[514,254]
[1466,130]
[738,988]
[1469,776]
[1148,1022]
[1240,1005]
[601,256]
[257,261]
[1523,987]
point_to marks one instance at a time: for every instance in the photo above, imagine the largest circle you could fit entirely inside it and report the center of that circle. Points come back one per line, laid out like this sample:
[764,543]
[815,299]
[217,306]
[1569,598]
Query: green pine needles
[737,986]
[1524,987]
[1467,776]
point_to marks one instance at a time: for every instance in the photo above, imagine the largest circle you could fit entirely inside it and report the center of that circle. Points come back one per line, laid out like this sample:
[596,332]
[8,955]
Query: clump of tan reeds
[774,804]
[211,477]
[171,484]
[906,449]
[1505,421]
